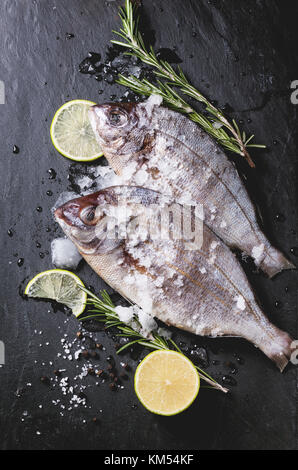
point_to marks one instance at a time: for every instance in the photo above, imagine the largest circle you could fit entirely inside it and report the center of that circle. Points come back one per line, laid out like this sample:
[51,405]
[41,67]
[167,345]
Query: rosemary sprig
[216,124]
[104,311]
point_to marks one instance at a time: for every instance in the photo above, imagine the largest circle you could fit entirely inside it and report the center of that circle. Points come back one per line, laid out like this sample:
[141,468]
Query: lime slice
[166,382]
[59,285]
[72,134]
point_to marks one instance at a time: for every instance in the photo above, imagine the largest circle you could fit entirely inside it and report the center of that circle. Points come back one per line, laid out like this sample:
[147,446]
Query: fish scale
[182,160]
[202,289]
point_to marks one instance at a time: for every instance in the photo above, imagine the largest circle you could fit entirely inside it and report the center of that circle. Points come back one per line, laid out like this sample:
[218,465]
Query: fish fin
[274,262]
[279,348]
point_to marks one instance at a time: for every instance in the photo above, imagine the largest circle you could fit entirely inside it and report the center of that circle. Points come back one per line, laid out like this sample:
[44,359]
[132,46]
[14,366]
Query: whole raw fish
[154,147]
[194,284]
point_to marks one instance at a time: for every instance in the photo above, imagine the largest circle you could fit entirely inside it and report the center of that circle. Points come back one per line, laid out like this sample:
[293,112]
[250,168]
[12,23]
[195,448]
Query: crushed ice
[65,254]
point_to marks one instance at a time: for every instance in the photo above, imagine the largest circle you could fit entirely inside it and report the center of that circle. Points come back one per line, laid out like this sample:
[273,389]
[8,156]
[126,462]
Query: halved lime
[72,134]
[59,285]
[166,382]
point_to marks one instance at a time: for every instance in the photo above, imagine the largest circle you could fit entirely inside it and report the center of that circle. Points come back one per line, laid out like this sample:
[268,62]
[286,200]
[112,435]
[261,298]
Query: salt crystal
[84,182]
[141,177]
[147,322]
[63,198]
[213,245]
[257,252]
[153,100]
[129,170]
[240,302]
[125,314]
[164,333]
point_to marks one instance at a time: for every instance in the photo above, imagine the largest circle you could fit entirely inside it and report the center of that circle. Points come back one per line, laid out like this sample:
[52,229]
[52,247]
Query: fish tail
[278,347]
[274,262]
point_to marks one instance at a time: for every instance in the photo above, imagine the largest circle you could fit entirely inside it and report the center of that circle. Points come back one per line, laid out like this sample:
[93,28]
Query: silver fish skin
[154,147]
[202,290]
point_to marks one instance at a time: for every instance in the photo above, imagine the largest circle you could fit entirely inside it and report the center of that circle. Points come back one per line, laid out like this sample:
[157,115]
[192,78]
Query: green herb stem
[217,125]
[104,311]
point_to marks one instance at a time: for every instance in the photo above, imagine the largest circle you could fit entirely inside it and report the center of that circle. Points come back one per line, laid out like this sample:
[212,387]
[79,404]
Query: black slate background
[243,55]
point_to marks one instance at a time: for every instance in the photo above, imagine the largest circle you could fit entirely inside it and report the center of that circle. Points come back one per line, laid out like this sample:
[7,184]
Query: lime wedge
[166,382]
[72,134]
[59,285]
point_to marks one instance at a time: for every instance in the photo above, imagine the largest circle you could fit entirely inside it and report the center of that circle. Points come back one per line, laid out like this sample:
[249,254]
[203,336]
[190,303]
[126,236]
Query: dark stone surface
[241,53]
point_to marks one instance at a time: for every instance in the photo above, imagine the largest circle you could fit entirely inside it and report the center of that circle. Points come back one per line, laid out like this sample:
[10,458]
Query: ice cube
[65,254]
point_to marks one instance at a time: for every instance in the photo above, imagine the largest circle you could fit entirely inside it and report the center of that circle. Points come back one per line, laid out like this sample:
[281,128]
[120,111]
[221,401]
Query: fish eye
[87,215]
[117,118]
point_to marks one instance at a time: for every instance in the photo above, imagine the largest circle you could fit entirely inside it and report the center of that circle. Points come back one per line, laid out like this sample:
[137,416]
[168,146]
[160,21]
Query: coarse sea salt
[240,302]
[65,253]
[141,177]
[257,252]
[147,322]
[125,314]
[151,102]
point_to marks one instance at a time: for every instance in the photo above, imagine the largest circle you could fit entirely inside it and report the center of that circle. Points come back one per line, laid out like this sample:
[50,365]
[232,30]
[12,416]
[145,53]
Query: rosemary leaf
[104,311]
[228,134]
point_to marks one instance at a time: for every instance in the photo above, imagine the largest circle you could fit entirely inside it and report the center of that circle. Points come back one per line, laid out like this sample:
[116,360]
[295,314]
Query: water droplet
[239,359]
[280,218]
[294,251]
[38,245]
[52,174]
[20,262]
[41,255]
[9,232]
[49,193]
[39,209]
[69,35]
[278,304]
[15,149]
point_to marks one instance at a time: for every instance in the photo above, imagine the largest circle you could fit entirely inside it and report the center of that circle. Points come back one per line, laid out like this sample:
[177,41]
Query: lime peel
[166,382]
[72,134]
[59,285]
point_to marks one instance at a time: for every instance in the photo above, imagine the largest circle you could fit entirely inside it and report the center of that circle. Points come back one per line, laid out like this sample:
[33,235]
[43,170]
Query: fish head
[84,220]
[123,129]
[102,221]
[114,124]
